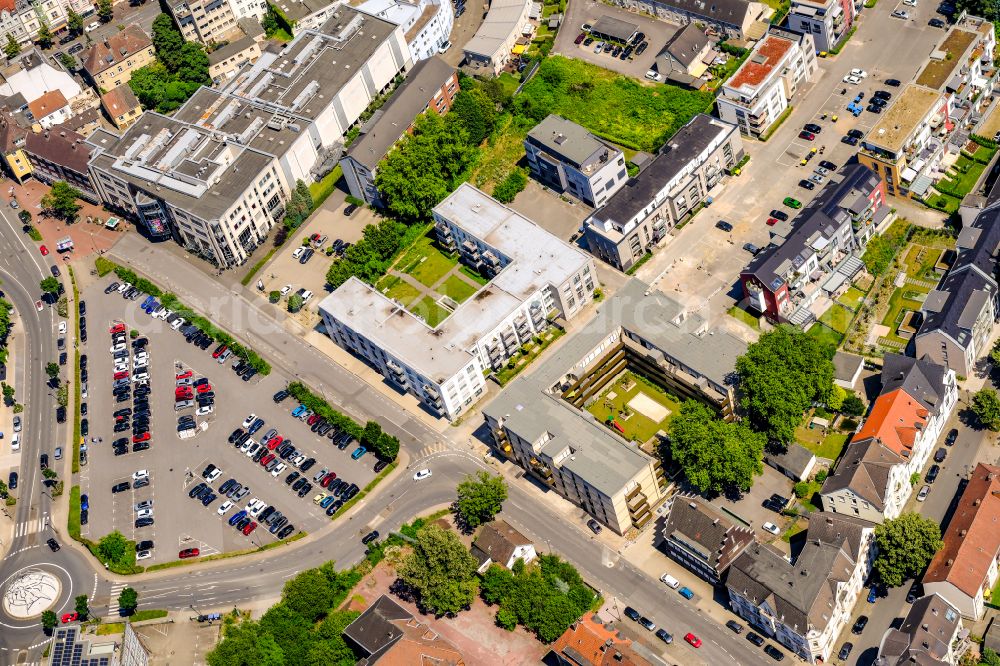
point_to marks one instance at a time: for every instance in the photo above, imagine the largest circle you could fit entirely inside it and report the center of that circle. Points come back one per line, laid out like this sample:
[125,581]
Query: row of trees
[370,257]
[74,24]
[180,69]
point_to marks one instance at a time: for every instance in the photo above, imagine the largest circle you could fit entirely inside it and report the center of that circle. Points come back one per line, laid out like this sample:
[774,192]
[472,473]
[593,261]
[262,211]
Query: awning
[518,49]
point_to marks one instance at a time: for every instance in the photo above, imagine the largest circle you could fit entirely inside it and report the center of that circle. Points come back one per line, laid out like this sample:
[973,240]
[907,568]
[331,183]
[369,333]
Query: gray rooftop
[568,141]
[864,469]
[795,458]
[296,10]
[731,12]
[409,101]
[925,636]
[845,365]
[609,26]
[686,44]
[230,49]
[922,379]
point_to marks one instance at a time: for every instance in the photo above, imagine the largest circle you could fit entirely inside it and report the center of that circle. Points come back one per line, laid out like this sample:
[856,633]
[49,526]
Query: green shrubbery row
[371,436]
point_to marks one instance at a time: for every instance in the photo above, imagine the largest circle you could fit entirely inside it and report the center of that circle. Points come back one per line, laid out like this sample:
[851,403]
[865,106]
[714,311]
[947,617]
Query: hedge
[380,443]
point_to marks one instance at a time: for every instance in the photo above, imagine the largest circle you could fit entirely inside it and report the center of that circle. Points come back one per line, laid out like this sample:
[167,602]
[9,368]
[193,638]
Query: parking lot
[175,461]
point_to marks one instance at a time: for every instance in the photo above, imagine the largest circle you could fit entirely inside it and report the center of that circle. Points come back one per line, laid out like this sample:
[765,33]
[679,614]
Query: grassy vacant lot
[837,317]
[637,426]
[823,445]
[739,313]
[825,334]
[612,106]
[501,152]
[456,289]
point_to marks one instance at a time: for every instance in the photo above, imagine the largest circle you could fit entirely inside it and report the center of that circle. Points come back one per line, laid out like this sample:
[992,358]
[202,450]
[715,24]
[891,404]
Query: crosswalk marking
[430,449]
[113,602]
[30,527]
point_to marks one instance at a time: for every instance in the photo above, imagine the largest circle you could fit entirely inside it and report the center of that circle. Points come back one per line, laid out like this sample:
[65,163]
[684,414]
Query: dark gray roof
[374,630]
[795,458]
[922,379]
[730,12]
[846,365]
[409,101]
[497,542]
[616,28]
[566,141]
[864,469]
[704,532]
[924,637]
[229,50]
[676,154]
[685,45]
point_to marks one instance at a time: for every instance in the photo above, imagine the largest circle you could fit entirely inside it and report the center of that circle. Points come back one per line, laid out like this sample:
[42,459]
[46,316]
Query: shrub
[511,186]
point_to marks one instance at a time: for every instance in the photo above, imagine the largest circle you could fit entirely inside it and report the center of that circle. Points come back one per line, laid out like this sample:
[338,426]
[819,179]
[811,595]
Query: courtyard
[635,407]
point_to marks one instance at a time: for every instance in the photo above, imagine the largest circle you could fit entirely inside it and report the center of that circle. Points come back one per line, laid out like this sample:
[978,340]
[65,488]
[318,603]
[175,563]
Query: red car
[185,375]
[251,526]
[275,442]
[771,221]
[219,351]
[579,38]
[188,552]
[693,640]
[117,328]
[121,375]
[70,617]
[328,479]
[266,459]
[44,250]
[204,388]
[144,437]
[312,419]
[183,392]
[808,136]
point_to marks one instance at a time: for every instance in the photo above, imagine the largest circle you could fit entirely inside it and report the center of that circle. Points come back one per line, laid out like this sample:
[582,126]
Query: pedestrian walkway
[116,589]
[30,527]
[921,283]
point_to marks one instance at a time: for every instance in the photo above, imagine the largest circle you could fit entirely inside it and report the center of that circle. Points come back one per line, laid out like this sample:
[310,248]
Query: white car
[298,460]
[853,80]
[121,367]
[249,419]
[252,449]
[204,409]
[123,287]
[62,328]
[924,492]
[144,513]
[246,445]
[901,14]
[187,381]
[910,3]
[213,475]
[93,26]
[298,252]
[284,290]
[653,75]
[860,73]
[278,470]
[143,555]
[141,474]
[226,506]
[421,474]
[17,423]
[83,390]
[306,295]
[144,504]
[180,321]
[155,314]
[117,348]
[15,442]
[772,528]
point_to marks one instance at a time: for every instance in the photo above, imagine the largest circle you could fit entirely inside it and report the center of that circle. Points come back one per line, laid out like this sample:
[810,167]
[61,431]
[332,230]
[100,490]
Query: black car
[60,414]
[845,651]
[827,164]
[84,427]
[83,308]
[141,446]
[807,184]
[642,47]
[299,484]
[146,544]
[53,545]
[751,248]
[84,516]
[932,474]
[850,140]
[368,538]
[290,479]
[350,208]
[632,613]
[913,593]
[280,395]
[780,214]
[874,108]
[111,287]
[265,514]
[307,464]
[725,226]
[860,625]
[940,454]
[43,461]
[951,437]
[735,626]
[893,82]
[812,127]
[755,639]
[285,531]
[773,652]
[197,490]
[12,480]
[664,636]
[856,133]
[304,490]
[381,465]
[143,522]
[646,623]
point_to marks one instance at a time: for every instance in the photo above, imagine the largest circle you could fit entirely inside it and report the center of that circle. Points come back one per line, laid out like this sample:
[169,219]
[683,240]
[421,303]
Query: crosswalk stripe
[32,526]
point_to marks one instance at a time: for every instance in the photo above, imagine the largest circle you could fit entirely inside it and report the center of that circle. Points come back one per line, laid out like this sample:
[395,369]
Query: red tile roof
[115,49]
[119,100]
[760,63]
[972,541]
[590,643]
[49,102]
[895,420]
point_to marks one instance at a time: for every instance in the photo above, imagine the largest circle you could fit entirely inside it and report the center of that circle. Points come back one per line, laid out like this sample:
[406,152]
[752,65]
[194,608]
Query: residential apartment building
[591,642]
[686,56]
[224,62]
[122,106]
[675,183]
[904,147]
[30,75]
[490,48]
[964,572]
[308,14]
[817,252]
[758,93]
[569,159]
[804,604]
[959,315]
[249,9]
[110,63]
[540,420]
[431,84]
[61,154]
[49,109]
[13,133]
[702,539]
[730,19]
[206,21]
[961,69]
[212,194]
[426,23]
[826,20]
[931,633]
[534,277]
[872,479]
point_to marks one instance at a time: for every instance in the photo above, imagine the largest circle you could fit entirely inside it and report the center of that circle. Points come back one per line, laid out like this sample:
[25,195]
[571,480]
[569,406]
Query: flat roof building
[734,19]
[609,27]
[490,48]
[426,23]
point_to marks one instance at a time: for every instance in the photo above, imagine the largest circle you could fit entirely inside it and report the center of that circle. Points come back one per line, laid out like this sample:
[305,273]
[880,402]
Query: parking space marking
[186,541]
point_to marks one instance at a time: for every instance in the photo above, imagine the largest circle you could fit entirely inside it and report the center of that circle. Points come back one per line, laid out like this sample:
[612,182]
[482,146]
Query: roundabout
[27,593]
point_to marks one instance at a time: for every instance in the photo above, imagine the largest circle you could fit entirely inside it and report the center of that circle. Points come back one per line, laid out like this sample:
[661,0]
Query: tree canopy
[905,547]
[180,69]
[74,22]
[128,599]
[11,48]
[244,645]
[986,407]
[50,285]
[114,547]
[441,570]
[781,375]
[715,455]
[476,111]
[480,498]
[105,10]
[61,202]
[382,444]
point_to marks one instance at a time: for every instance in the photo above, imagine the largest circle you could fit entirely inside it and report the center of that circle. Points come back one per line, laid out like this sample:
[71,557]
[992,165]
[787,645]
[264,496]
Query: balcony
[490,259]
[471,249]
[431,392]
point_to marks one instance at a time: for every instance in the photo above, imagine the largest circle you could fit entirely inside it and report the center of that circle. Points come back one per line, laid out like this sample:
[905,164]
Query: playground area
[634,407]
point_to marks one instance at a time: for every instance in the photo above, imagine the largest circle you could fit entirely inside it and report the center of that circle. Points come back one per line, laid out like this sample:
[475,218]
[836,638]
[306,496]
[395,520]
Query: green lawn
[398,289]
[739,313]
[637,426]
[967,172]
[321,189]
[425,262]
[468,272]
[920,262]
[825,334]
[824,446]
[897,303]
[837,317]
[457,289]
[432,313]
[852,298]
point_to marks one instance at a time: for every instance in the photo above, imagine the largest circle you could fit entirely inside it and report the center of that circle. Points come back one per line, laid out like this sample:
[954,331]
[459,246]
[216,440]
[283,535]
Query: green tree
[11,48]
[68,61]
[477,113]
[986,407]
[245,645]
[128,600]
[192,65]
[167,41]
[61,202]
[441,571]
[780,376]
[291,632]
[149,84]
[995,353]
[989,658]
[105,11]
[836,400]
[49,621]
[114,548]
[905,547]
[274,296]
[52,370]
[480,498]
[387,447]
[44,37]
[82,606]
[309,594]
[269,22]
[295,303]
[8,393]
[853,405]
[496,584]
[50,285]
[74,22]
[715,455]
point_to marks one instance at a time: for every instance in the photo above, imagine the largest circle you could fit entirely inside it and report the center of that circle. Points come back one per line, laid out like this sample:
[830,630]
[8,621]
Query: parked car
[859,625]
[773,652]
[952,437]
[932,474]
[632,613]
[940,455]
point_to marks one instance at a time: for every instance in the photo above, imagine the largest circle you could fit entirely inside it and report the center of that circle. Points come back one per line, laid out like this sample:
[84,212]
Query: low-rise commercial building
[675,183]
[308,14]
[826,20]
[109,63]
[966,569]
[431,84]
[490,48]
[758,93]
[730,19]
[533,278]
[931,633]
[426,23]
[702,539]
[540,421]
[805,604]
[571,160]
[225,61]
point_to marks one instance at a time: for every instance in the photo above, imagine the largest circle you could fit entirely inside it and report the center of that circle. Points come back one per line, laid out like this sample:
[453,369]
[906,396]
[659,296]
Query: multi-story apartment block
[426,23]
[731,19]
[669,188]
[804,604]
[931,633]
[806,256]
[758,93]
[61,154]
[959,315]
[540,420]
[569,159]
[205,21]
[13,133]
[903,146]
[533,277]
[213,194]
[110,63]
[966,569]
[702,539]
[826,20]
[431,84]
[225,61]
[249,9]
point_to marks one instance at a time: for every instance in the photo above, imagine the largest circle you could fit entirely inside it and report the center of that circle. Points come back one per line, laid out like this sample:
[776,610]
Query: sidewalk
[88,237]
[9,459]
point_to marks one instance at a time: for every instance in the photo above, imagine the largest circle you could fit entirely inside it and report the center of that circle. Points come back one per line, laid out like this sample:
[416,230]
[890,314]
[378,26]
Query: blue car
[298,411]
[327,501]
[686,593]
[872,594]
[147,301]
[237,517]
[358,452]
[84,503]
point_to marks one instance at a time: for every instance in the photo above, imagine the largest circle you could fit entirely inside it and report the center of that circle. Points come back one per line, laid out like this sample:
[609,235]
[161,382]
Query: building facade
[110,63]
[61,154]
[759,92]
[931,633]
[224,62]
[826,20]
[205,21]
[702,539]
[731,19]
[569,159]
[666,191]
[426,23]
[490,48]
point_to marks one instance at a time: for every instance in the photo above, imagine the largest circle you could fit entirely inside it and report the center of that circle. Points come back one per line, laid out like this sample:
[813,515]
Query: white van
[670,581]
[15,442]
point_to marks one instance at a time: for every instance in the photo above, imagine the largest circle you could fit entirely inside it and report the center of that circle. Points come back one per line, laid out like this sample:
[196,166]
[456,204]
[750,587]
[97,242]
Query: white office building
[426,23]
